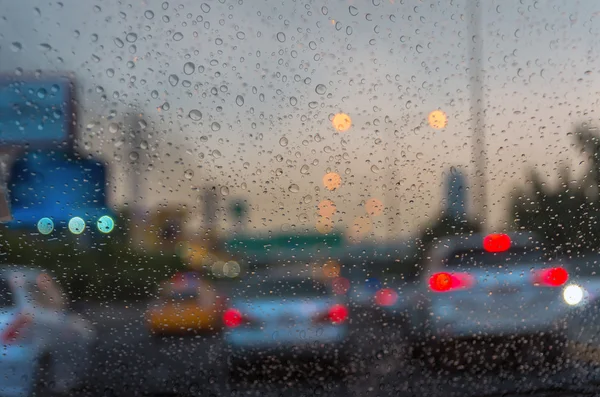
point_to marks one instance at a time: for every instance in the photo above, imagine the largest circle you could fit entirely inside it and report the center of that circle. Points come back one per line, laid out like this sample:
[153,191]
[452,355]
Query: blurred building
[456,197]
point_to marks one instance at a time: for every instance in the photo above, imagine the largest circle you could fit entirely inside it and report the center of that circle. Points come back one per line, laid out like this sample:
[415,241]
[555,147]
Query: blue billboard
[36,112]
[51,187]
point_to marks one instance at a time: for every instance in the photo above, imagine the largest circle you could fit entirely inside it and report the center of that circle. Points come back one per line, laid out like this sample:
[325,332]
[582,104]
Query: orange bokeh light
[324,224]
[331,269]
[437,119]
[374,207]
[341,122]
[327,208]
[332,181]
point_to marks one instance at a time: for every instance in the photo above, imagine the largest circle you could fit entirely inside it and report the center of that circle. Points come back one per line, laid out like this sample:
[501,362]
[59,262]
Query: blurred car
[286,317]
[489,287]
[186,304]
[45,347]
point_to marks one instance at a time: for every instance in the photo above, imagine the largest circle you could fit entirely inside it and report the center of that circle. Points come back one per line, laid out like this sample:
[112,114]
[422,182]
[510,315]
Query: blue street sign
[61,187]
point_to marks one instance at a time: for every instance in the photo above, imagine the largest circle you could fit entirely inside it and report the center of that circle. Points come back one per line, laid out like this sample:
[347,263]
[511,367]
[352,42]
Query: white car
[45,348]
[486,287]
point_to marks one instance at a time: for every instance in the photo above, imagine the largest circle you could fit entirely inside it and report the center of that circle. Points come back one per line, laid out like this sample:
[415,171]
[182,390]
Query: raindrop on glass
[195,115]
[189,68]
[283,141]
[173,79]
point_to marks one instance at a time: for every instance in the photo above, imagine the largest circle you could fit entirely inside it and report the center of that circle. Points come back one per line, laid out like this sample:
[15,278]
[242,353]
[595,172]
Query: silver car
[281,318]
[45,347]
[489,287]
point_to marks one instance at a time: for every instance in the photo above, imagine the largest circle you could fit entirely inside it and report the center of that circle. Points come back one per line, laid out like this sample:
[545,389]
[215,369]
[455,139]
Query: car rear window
[6,295]
[283,288]
[481,258]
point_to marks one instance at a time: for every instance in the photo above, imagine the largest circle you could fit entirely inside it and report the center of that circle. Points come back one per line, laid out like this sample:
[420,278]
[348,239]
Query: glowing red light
[386,297]
[338,314]
[232,318]
[440,282]
[497,242]
[555,277]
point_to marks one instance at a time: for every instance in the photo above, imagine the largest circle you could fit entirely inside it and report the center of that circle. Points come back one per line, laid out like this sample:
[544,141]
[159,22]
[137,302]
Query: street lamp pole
[477,115]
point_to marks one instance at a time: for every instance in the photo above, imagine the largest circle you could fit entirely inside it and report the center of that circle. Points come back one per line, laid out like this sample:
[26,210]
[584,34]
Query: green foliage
[103,269]
[566,216]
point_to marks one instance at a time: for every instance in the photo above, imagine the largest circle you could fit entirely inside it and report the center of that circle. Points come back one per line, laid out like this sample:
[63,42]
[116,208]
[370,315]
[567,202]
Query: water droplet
[278,172]
[16,46]
[224,190]
[188,174]
[283,141]
[205,8]
[134,156]
[320,89]
[293,101]
[113,128]
[45,47]
[353,11]
[324,10]
[154,94]
[281,37]
[165,5]
[189,68]
[178,36]
[41,93]
[239,100]
[216,154]
[294,188]
[374,169]
[304,170]
[131,37]
[118,42]
[110,72]
[148,14]
[307,199]
[165,106]
[173,79]
[419,156]
[215,126]
[240,35]
[195,115]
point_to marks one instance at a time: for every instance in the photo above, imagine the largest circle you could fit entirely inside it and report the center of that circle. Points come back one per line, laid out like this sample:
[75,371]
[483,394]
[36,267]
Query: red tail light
[336,314]
[444,282]
[232,318]
[16,329]
[386,297]
[497,242]
[553,277]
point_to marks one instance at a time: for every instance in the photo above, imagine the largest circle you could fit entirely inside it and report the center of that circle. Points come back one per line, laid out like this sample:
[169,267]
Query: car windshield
[6,295]
[282,288]
[179,168]
[493,260]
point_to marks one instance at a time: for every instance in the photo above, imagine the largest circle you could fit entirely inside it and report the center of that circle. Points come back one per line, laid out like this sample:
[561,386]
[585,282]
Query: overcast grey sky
[255,71]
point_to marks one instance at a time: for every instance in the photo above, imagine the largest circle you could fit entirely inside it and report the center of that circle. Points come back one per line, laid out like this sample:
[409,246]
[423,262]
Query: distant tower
[456,197]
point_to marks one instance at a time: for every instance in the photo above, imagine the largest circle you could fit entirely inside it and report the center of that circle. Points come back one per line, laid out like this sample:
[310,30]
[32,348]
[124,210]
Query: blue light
[76,225]
[45,226]
[105,224]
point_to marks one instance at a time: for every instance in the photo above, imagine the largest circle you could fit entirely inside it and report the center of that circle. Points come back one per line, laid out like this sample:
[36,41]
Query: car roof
[444,246]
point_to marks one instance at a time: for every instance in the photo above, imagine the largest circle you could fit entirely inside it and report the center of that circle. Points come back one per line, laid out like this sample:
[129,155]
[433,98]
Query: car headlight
[573,294]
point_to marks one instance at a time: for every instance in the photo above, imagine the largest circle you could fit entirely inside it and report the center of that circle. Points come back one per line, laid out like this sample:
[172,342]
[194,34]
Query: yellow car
[191,306]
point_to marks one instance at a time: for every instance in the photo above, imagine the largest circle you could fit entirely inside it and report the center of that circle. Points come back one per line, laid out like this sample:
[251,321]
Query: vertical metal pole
[477,116]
